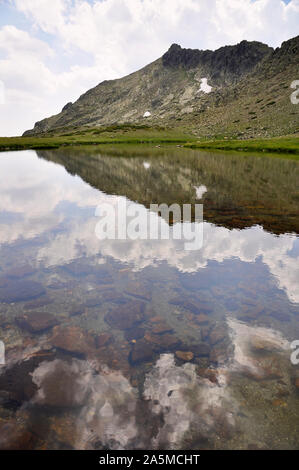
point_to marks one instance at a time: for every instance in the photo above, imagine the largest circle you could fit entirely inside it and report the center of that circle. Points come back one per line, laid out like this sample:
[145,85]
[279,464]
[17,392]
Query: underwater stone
[15,436]
[126,316]
[142,351]
[38,303]
[36,322]
[73,339]
[185,356]
[134,333]
[218,334]
[103,339]
[139,289]
[161,328]
[165,342]
[18,291]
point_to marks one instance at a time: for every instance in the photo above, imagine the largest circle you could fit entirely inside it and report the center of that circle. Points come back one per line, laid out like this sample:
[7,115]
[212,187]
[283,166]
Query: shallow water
[122,344]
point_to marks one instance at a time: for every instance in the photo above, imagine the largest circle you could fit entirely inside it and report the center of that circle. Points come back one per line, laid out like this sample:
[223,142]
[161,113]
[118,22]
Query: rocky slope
[239,90]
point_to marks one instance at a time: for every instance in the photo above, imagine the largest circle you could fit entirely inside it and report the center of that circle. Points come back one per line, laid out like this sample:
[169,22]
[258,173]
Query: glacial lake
[142,344]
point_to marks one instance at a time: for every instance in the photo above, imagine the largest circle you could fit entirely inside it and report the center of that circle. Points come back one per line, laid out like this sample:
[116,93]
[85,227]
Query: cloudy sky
[51,51]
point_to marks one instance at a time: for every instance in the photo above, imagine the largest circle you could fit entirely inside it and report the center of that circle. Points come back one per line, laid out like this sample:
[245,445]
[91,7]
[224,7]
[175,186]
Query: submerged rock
[15,436]
[161,328]
[38,303]
[36,322]
[200,349]
[73,339]
[77,310]
[93,302]
[202,319]
[18,291]
[142,351]
[219,333]
[186,304]
[126,316]
[139,289]
[185,356]
[134,333]
[259,344]
[113,296]
[103,339]
[163,343]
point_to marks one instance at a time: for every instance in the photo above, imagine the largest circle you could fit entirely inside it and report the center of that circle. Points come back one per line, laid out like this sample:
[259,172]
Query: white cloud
[38,188]
[117,37]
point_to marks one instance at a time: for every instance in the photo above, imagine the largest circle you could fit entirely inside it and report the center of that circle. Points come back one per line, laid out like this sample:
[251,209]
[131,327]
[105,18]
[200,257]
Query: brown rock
[18,291]
[141,351]
[186,304]
[38,303]
[200,349]
[114,296]
[165,342]
[103,339]
[210,374]
[126,316]
[262,345]
[14,436]
[202,319]
[185,356]
[134,333]
[220,354]
[218,334]
[161,328]
[194,306]
[36,322]
[139,289]
[156,319]
[297,383]
[65,429]
[73,340]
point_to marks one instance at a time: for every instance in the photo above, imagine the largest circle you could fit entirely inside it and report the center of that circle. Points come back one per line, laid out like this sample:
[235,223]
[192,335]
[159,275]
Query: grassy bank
[108,135]
[129,134]
[285,145]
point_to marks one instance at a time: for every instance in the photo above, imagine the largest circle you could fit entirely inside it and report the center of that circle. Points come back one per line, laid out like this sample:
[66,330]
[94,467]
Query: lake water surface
[128,344]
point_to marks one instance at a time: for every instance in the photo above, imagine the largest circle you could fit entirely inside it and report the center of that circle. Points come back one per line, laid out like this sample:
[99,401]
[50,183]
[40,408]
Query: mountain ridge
[169,92]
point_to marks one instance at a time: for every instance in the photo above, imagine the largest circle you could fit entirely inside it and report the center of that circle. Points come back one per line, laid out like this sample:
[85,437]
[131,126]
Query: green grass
[108,135]
[281,145]
[130,134]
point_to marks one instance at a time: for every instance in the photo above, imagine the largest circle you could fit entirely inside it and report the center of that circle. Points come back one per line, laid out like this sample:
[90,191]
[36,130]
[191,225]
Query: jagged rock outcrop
[228,62]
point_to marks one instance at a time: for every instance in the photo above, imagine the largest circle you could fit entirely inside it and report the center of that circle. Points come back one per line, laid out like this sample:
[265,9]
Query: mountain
[239,90]
[243,192]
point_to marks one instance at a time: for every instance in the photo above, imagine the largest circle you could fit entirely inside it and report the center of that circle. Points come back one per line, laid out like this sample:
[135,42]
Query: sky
[52,51]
